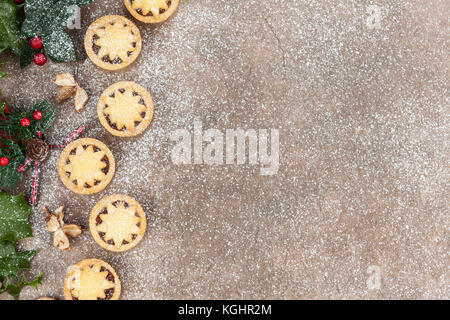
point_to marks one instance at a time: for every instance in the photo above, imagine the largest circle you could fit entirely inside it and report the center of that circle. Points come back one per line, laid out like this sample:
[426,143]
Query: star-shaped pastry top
[119,223]
[124,109]
[115,40]
[85,166]
[90,283]
[152,6]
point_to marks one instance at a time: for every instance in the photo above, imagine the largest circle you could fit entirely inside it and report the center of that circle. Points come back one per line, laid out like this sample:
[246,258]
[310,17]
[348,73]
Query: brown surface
[363,181]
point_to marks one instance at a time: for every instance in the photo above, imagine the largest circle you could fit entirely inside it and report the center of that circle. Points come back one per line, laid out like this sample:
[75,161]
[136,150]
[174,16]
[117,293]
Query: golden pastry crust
[86,166]
[117,223]
[151,11]
[92,279]
[122,106]
[113,42]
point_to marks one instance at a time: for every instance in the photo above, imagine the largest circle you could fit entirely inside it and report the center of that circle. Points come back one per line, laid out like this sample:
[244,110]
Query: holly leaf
[41,18]
[14,226]
[26,56]
[59,46]
[14,214]
[12,261]
[14,289]
[10,37]
[79,2]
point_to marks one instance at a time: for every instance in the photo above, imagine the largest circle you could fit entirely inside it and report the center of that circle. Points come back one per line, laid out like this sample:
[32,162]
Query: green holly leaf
[14,212]
[10,37]
[14,226]
[79,2]
[41,18]
[14,289]
[59,46]
[26,55]
[12,261]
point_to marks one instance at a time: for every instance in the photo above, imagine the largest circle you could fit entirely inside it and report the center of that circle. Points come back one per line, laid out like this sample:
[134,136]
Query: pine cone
[37,150]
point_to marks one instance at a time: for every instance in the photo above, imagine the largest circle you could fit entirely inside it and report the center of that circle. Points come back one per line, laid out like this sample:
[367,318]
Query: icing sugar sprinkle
[359,207]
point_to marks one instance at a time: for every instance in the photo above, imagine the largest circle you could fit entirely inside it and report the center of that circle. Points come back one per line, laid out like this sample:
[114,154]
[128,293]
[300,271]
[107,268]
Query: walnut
[56,225]
[67,87]
[64,93]
[81,98]
[65,80]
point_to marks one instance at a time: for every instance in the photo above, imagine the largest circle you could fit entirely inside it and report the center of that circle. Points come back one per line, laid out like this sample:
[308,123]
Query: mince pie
[117,223]
[125,109]
[92,279]
[113,42]
[151,11]
[86,166]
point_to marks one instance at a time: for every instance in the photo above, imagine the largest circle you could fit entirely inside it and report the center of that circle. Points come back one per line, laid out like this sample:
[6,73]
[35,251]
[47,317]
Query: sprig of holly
[17,126]
[10,37]
[42,33]
[14,226]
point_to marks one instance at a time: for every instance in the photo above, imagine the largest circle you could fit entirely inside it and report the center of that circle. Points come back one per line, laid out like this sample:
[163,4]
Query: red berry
[37,115]
[40,59]
[6,109]
[25,122]
[18,1]
[4,161]
[36,43]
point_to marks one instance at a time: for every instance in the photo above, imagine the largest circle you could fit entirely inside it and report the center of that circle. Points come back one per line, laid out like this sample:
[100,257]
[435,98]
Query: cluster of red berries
[25,122]
[39,58]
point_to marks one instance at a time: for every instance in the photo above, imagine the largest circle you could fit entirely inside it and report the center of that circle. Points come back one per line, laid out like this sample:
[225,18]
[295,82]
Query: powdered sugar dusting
[363,181]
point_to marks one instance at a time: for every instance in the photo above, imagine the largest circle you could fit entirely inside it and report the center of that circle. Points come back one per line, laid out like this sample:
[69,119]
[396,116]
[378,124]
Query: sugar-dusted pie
[113,42]
[151,11]
[92,279]
[86,166]
[117,223]
[125,109]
